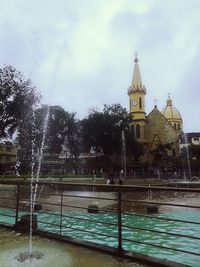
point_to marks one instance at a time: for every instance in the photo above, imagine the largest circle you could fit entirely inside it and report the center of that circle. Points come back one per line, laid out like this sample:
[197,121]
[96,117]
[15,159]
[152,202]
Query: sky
[80,54]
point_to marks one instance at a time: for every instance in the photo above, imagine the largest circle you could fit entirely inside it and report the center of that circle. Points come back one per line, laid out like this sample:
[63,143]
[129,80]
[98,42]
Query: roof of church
[136,83]
[170,112]
[159,130]
[154,121]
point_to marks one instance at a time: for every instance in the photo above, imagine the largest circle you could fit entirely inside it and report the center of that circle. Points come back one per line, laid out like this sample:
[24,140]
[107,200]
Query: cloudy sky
[80,53]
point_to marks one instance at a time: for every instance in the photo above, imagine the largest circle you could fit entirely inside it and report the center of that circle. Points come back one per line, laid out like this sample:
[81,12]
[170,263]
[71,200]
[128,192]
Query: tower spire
[136,93]
[136,83]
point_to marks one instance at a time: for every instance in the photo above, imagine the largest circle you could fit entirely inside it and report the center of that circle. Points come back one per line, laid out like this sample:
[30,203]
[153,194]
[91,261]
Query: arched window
[133,130]
[137,131]
[179,126]
[174,125]
[140,103]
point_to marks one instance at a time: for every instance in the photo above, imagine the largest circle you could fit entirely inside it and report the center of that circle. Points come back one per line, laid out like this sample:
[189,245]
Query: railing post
[119,210]
[61,209]
[17,204]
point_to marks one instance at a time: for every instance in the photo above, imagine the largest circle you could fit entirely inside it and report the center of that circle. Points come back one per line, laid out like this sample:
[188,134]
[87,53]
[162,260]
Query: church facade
[158,128]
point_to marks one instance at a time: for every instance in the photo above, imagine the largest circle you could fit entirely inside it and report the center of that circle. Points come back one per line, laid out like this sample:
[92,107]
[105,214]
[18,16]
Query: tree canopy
[101,131]
[17,99]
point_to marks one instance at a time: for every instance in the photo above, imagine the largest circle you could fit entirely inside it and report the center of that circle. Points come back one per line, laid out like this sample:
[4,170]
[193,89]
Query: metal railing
[121,220]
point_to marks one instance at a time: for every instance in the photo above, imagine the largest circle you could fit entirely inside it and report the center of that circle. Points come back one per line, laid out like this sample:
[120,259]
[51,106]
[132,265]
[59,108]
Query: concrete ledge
[155,261]
[140,258]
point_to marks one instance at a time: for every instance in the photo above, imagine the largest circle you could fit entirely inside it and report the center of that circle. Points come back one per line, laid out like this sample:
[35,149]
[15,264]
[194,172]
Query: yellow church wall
[134,99]
[142,124]
[138,116]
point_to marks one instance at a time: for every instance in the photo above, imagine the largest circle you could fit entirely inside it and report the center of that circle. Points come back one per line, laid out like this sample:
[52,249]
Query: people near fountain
[175,174]
[110,181]
[110,178]
[120,181]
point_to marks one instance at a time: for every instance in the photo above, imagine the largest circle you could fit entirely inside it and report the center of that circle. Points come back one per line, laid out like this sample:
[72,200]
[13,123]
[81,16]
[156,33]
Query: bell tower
[136,93]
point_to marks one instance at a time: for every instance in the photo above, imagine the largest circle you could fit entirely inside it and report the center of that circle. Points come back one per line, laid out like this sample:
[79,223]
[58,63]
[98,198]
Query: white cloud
[80,53]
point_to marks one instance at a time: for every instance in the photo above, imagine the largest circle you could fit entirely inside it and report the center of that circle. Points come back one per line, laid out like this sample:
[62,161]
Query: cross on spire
[136,58]
[169,101]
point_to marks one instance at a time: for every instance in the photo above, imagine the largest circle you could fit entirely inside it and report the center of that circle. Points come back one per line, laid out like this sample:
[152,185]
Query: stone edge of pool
[140,258]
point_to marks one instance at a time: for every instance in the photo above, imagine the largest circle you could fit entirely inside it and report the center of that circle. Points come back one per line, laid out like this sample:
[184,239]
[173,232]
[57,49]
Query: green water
[96,231]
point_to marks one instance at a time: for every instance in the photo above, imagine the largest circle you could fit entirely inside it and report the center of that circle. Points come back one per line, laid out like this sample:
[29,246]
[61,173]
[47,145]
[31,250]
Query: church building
[156,128]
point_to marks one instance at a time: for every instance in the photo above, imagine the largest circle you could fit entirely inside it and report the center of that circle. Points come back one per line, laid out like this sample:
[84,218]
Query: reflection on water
[167,237]
[55,254]
[74,224]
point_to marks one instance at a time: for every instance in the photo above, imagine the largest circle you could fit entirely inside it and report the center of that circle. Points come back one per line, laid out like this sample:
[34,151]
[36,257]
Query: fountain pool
[172,234]
[166,233]
[54,253]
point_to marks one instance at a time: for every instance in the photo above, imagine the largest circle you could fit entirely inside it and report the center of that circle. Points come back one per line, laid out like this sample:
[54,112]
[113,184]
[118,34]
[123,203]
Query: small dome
[172,115]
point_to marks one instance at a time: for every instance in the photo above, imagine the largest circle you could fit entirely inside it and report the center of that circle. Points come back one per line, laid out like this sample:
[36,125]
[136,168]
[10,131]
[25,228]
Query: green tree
[102,132]
[62,135]
[72,140]
[55,129]
[134,149]
[194,151]
[163,159]
[18,98]
[54,137]
[191,156]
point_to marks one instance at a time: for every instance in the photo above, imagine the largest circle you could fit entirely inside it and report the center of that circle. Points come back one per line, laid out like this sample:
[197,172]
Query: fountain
[54,254]
[158,174]
[187,155]
[40,155]
[151,208]
[123,153]
[38,206]
[28,222]
[188,180]
[93,207]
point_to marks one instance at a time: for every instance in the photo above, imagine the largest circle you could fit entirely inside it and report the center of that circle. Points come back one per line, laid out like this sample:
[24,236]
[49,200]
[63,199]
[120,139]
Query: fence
[150,223]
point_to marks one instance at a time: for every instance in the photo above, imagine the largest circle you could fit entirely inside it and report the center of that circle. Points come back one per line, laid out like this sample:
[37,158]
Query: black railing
[114,221]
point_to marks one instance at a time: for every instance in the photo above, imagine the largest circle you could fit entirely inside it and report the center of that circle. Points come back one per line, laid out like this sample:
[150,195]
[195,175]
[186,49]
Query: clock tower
[136,93]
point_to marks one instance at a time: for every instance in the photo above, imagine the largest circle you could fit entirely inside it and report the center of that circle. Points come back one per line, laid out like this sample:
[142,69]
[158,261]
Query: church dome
[172,115]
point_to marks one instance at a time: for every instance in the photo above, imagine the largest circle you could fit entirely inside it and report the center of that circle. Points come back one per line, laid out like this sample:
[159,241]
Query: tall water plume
[31,185]
[41,151]
[123,153]
[187,155]
[33,190]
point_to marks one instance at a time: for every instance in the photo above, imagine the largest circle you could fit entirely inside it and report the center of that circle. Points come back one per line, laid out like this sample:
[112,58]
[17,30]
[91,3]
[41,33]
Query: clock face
[134,102]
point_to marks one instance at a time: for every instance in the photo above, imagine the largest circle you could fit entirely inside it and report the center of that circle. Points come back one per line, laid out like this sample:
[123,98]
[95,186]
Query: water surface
[55,253]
